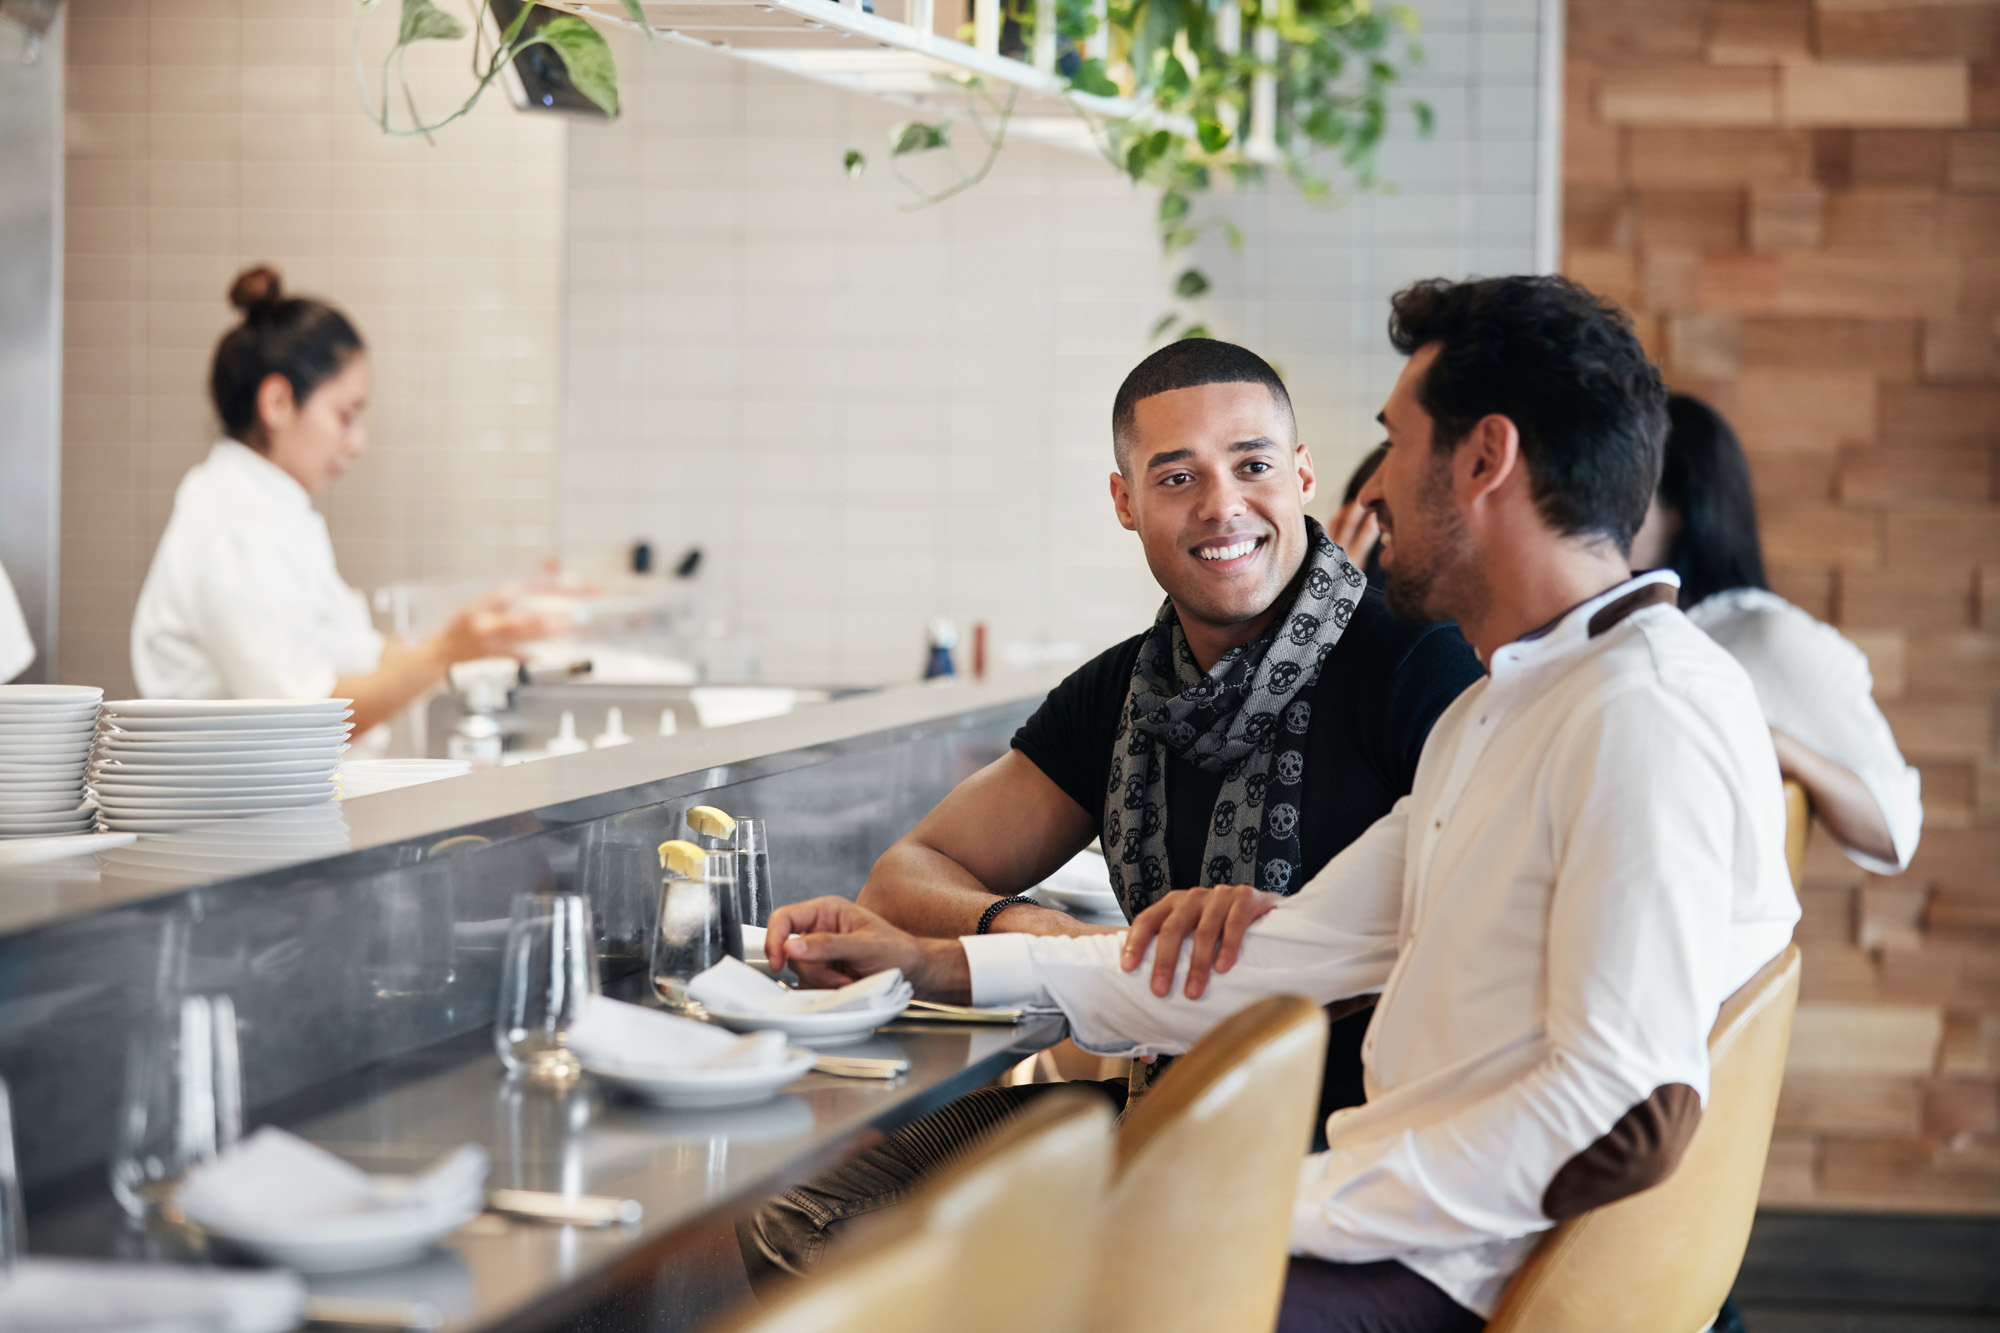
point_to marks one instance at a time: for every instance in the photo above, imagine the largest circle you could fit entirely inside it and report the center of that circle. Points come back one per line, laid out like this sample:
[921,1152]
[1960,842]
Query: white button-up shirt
[1815,687]
[1590,860]
[243,600]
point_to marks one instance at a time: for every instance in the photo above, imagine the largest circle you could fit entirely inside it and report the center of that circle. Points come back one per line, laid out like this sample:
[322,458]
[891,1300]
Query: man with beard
[1590,860]
[1272,713]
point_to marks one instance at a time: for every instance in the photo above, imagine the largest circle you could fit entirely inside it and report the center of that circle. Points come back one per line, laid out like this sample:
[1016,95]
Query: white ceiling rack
[893,52]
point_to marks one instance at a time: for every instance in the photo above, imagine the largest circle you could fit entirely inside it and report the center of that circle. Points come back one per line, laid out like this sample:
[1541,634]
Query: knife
[585,1210]
[342,1312]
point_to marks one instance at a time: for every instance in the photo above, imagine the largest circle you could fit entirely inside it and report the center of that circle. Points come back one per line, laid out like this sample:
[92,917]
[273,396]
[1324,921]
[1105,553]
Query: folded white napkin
[733,987]
[274,1180]
[89,1295]
[615,1035]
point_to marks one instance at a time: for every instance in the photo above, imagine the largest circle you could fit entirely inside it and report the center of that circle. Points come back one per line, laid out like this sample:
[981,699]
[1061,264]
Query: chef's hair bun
[257,289]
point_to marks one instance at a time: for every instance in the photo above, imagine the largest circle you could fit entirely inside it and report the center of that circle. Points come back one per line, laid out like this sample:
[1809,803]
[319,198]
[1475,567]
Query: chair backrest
[1199,1213]
[1798,823]
[1663,1260]
[1022,1212]
[899,1284]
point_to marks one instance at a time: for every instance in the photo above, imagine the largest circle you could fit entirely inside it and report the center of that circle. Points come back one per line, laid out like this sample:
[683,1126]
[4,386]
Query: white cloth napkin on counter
[278,1181]
[734,987]
[1084,875]
[619,1036]
[89,1295]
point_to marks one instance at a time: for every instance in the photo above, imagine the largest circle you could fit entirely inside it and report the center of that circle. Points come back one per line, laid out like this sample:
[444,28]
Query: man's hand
[831,941]
[1213,919]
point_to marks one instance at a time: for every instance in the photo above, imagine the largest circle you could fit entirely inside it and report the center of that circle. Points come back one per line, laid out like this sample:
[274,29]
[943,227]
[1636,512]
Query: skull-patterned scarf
[1243,718]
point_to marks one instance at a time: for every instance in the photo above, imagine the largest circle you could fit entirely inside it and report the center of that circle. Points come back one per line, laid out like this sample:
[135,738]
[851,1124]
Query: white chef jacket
[17,647]
[243,600]
[1815,687]
[1590,860]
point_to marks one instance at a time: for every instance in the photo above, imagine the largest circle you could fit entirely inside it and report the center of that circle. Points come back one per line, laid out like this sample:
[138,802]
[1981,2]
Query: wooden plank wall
[1800,202]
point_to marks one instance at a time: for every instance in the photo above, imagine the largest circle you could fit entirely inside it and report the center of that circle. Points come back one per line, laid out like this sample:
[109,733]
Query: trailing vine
[585,55]
[1319,72]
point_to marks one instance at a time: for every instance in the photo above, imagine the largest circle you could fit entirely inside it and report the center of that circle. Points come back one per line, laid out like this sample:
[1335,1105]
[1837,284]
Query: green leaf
[587,57]
[855,162]
[1178,238]
[1091,78]
[637,13]
[424,21]
[1192,331]
[1234,234]
[1166,322]
[1190,284]
[1173,206]
[1212,134]
[915,136]
[1426,118]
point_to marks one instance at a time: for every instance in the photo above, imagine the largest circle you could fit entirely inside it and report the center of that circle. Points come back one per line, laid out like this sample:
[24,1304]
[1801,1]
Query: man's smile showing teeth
[1234,551]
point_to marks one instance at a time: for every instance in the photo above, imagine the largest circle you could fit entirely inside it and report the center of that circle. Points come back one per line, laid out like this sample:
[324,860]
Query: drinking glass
[753,872]
[10,1189]
[698,927]
[546,977]
[183,1100]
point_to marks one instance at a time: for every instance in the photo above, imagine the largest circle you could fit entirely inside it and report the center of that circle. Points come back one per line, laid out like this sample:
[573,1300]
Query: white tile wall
[870,417]
[208,134]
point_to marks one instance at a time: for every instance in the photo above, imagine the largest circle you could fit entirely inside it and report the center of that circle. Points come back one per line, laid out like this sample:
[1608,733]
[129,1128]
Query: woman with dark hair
[243,599]
[1815,686]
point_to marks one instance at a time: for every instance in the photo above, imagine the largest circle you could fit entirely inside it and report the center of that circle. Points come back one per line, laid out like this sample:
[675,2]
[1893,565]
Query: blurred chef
[243,600]
[17,650]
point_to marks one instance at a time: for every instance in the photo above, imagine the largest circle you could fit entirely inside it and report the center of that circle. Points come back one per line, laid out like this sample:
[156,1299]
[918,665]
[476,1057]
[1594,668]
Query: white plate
[143,805]
[354,1241]
[706,1087]
[17,716]
[46,824]
[244,749]
[69,694]
[275,769]
[58,755]
[60,804]
[30,851]
[191,791]
[223,707]
[35,728]
[227,723]
[11,786]
[816,1029]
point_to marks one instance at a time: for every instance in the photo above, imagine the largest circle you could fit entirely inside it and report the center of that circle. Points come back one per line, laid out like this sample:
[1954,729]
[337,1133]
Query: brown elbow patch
[1641,1150]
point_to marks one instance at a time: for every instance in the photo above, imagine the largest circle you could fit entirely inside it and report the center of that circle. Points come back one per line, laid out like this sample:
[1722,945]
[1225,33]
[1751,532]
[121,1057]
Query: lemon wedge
[708,820]
[683,858]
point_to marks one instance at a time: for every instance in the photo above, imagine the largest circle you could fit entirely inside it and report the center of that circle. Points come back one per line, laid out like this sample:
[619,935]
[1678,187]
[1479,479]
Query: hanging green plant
[1224,92]
[585,55]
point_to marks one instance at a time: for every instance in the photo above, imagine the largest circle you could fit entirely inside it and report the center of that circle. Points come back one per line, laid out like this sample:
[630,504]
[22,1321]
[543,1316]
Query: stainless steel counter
[693,1171]
[382,939]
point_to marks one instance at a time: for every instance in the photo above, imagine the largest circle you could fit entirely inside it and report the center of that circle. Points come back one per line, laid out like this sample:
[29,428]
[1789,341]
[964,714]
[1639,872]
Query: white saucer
[216,748]
[706,1087]
[54,694]
[224,707]
[223,806]
[225,725]
[354,1241]
[276,770]
[839,1029]
[193,784]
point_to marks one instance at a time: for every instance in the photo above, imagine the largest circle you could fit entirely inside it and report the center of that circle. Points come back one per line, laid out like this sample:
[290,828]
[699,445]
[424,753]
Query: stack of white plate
[45,736]
[164,764]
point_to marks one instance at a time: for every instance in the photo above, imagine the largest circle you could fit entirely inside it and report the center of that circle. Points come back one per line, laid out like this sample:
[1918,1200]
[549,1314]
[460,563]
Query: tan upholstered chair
[1022,1214]
[1798,823]
[899,1284]
[1663,1260]
[1199,1214]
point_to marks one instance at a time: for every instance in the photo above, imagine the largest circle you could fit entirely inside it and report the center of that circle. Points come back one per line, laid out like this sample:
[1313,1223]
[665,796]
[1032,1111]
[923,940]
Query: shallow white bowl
[355,1241]
[705,1088]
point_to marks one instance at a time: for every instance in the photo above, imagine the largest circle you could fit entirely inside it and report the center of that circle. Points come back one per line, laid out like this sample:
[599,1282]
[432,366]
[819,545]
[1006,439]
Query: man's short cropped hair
[1566,368]
[1187,364]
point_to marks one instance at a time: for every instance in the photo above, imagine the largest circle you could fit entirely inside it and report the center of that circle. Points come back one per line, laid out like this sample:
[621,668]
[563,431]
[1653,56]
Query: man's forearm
[925,892]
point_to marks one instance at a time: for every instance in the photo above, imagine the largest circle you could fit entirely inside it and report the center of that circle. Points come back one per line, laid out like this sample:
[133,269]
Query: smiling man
[1273,711]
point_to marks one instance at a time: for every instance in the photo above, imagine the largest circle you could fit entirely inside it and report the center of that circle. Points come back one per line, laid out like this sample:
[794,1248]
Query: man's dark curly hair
[1566,368]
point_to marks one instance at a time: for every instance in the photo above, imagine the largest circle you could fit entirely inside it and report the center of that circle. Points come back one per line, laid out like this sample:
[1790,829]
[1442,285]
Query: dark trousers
[1381,1297]
[788,1235]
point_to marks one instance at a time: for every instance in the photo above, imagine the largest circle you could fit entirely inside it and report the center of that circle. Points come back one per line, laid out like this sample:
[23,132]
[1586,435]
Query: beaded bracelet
[1000,905]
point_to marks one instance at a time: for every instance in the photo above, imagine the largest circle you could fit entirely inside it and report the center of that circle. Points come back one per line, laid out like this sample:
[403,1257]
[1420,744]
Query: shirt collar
[239,459]
[1584,622]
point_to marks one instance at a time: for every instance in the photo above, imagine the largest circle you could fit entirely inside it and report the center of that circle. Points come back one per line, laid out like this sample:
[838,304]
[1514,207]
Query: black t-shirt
[1378,693]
